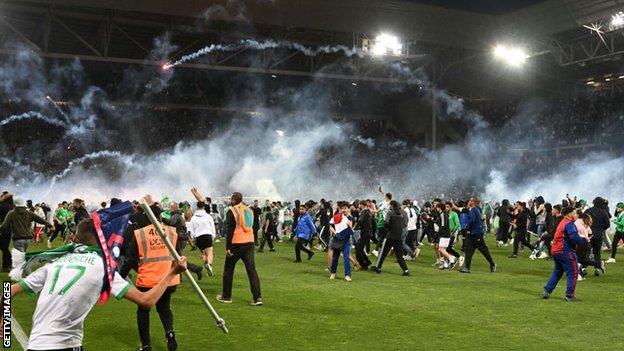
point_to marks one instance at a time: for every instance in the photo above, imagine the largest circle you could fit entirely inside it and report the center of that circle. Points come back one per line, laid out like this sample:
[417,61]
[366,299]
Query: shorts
[435,238]
[444,242]
[203,241]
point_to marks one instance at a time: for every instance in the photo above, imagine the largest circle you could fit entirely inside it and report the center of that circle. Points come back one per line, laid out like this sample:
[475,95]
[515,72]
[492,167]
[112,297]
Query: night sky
[492,7]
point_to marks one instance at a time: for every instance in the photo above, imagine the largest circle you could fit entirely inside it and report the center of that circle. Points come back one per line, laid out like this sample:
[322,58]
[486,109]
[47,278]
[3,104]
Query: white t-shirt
[342,225]
[201,224]
[411,221]
[68,289]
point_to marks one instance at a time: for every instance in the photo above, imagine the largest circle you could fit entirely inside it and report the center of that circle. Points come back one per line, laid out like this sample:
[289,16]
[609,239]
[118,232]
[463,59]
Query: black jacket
[600,217]
[365,223]
[396,222]
[503,214]
[80,214]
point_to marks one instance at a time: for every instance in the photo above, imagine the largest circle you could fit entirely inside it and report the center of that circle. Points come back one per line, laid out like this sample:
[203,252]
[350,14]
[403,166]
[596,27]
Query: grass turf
[431,310]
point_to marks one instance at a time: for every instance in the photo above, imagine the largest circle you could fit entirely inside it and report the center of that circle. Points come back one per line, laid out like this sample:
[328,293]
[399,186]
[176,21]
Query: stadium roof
[490,7]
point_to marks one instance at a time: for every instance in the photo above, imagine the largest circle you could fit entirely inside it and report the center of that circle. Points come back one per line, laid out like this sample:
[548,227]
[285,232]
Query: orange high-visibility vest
[154,257]
[243,232]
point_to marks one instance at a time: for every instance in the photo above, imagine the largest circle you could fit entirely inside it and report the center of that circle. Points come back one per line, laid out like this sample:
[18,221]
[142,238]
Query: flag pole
[187,273]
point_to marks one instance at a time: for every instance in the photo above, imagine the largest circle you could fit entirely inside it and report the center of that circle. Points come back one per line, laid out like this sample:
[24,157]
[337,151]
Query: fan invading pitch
[311,174]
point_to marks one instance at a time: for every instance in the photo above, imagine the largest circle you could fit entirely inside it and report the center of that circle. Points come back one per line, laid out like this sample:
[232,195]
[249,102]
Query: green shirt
[453,221]
[61,215]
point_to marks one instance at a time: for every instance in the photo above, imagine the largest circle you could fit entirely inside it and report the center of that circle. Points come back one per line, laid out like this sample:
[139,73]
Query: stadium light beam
[385,44]
[514,56]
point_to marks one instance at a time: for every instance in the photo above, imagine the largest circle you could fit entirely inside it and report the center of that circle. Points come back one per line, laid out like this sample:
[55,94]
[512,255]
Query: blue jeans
[406,249]
[346,248]
[564,262]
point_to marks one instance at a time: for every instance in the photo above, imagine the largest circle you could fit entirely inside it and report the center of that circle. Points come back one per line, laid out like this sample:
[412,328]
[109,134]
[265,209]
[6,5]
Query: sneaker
[257,302]
[532,257]
[376,270]
[461,260]
[145,348]
[310,255]
[172,344]
[452,264]
[199,274]
[583,272]
[348,278]
[611,260]
[513,256]
[542,255]
[217,241]
[406,274]
[597,272]
[297,261]
[332,276]
[376,253]
[223,300]
[272,250]
[408,258]
[602,266]
[464,270]
[493,268]
[416,252]
[579,278]
[209,269]
[50,246]
[545,295]
[572,299]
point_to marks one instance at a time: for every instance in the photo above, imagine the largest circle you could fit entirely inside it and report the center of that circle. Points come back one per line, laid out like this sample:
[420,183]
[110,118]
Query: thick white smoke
[250,156]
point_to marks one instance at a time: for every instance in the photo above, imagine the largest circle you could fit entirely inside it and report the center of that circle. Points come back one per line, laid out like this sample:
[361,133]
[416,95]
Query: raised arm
[197,195]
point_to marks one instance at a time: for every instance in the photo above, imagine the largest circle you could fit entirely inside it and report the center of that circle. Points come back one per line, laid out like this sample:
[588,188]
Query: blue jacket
[475,224]
[305,227]
[566,238]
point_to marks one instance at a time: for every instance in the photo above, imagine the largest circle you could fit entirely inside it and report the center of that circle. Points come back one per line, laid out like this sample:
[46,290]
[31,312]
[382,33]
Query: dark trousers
[163,307]
[476,243]
[180,249]
[521,238]
[614,244]
[59,229]
[255,233]
[411,238]
[360,254]
[267,237]
[397,245]
[564,262]
[381,235]
[5,240]
[503,231]
[596,243]
[246,253]
[451,248]
[300,246]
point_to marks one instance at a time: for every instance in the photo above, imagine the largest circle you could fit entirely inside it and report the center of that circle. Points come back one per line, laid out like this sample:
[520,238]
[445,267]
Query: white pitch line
[21,337]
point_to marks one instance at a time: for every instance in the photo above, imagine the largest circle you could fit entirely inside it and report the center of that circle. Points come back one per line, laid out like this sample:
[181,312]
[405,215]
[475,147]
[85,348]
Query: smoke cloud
[313,155]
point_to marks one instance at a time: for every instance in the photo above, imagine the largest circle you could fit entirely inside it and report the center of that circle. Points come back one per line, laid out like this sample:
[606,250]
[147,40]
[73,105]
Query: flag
[110,225]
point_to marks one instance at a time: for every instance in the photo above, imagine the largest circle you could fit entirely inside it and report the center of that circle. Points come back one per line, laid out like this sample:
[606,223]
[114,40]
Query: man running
[563,252]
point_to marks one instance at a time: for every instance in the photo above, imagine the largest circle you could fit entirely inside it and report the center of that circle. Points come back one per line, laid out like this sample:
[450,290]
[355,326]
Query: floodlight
[512,56]
[617,21]
[386,44]
[280,132]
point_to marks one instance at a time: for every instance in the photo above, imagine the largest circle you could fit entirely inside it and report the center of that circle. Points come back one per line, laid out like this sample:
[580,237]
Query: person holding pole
[239,246]
[148,255]
[70,286]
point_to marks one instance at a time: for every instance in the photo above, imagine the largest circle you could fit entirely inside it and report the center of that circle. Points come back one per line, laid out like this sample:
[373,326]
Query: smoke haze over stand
[316,157]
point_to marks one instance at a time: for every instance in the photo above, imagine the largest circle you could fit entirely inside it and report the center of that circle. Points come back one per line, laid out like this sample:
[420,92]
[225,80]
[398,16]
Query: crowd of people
[572,233]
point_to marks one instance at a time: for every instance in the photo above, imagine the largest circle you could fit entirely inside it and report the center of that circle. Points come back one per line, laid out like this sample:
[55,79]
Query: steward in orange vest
[148,255]
[239,246]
